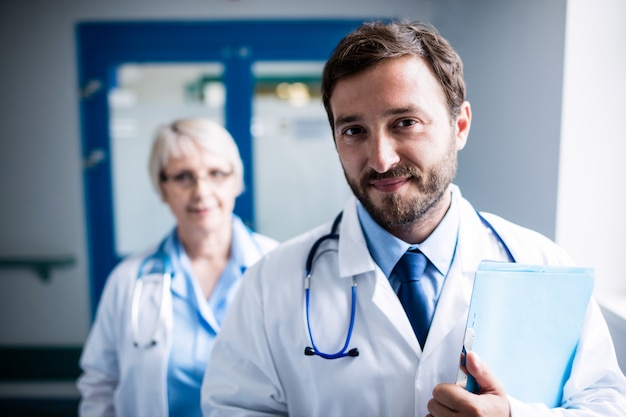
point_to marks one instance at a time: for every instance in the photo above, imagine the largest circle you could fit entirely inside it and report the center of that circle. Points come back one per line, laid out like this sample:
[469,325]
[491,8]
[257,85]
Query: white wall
[592,177]
[513,54]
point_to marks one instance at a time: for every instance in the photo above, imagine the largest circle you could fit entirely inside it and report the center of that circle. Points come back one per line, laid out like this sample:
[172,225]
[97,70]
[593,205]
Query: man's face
[397,144]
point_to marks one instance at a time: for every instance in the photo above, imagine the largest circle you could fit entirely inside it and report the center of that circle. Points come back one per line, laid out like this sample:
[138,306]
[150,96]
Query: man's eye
[406,122]
[351,131]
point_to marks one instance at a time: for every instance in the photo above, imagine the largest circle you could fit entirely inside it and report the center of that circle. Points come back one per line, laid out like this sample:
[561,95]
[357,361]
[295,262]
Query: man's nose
[382,152]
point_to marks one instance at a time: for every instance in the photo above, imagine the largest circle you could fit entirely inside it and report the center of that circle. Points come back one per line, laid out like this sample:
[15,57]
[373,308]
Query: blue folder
[525,322]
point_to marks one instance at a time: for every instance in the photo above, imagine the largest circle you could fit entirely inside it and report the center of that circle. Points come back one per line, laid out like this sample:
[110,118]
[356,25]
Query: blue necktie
[411,293]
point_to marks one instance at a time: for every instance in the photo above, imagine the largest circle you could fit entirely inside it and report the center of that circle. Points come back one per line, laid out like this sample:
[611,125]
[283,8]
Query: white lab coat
[120,379]
[258,366]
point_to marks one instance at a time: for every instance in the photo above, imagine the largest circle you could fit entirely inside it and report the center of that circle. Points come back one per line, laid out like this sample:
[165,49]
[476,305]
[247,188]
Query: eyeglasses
[187,179]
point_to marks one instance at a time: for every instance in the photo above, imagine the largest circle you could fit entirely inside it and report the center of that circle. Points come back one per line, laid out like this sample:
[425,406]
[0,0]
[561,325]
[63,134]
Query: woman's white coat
[120,379]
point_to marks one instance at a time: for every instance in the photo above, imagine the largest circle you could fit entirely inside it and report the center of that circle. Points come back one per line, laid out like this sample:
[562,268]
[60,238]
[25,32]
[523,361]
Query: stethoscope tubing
[313,350]
[334,235]
[341,353]
[166,286]
[165,290]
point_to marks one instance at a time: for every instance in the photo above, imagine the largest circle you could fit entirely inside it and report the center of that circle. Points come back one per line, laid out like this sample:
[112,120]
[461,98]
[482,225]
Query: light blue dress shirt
[439,249]
[196,322]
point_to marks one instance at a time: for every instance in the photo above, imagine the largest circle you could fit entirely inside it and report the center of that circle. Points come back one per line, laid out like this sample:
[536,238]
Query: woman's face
[200,189]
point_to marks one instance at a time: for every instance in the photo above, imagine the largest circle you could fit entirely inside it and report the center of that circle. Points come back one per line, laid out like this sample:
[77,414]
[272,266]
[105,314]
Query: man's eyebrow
[342,120]
[402,110]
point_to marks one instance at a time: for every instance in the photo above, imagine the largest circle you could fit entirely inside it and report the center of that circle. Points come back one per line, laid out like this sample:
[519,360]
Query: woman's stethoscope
[158,261]
[334,235]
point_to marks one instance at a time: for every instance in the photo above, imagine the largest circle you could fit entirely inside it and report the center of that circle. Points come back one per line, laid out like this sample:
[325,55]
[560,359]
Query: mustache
[397,171]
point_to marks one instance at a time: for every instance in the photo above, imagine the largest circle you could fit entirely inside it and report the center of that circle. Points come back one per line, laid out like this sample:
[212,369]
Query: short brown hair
[374,42]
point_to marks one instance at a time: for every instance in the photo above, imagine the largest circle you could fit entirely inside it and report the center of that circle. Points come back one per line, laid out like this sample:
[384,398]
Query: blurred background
[86,83]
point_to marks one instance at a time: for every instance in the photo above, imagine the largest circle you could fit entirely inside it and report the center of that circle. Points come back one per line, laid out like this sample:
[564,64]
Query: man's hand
[453,400]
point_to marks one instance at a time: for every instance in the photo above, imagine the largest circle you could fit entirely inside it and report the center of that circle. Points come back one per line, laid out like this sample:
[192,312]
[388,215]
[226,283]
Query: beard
[396,210]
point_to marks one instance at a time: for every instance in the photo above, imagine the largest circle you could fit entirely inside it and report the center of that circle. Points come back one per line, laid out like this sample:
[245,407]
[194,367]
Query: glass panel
[146,97]
[298,179]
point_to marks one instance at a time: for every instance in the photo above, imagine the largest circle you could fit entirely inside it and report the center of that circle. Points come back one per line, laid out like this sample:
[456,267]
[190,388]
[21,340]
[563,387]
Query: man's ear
[462,125]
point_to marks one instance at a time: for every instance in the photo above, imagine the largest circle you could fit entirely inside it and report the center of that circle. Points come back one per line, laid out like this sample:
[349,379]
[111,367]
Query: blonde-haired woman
[149,345]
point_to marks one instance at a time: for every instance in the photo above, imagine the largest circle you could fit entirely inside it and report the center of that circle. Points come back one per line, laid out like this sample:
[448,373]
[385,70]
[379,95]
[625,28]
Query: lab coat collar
[249,250]
[354,258]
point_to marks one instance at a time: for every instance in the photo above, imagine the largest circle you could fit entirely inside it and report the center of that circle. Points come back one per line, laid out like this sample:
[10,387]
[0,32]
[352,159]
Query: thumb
[487,381]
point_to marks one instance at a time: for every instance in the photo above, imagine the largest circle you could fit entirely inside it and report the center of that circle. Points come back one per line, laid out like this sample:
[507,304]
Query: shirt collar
[387,249]
[174,249]
[181,264]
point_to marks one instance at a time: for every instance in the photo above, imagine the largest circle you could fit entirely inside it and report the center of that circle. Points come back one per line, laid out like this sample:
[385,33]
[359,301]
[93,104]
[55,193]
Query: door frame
[103,46]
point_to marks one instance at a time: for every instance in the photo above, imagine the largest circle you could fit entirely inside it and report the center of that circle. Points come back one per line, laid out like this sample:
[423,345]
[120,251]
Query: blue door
[224,71]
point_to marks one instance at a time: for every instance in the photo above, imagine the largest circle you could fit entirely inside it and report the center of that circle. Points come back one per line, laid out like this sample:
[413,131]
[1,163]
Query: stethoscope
[158,261]
[312,256]
[311,351]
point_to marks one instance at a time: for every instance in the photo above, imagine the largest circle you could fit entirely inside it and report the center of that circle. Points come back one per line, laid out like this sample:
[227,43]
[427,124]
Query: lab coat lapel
[385,298]
[250,249]
[354,257]
[451,311]
[473,246]
[355,260]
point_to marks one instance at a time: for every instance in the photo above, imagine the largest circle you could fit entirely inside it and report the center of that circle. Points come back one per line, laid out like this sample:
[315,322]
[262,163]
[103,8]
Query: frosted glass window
[146,97]
[298,179]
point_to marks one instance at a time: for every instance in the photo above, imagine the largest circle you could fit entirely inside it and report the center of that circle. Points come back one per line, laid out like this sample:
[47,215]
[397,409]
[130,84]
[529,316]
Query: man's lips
[389,185]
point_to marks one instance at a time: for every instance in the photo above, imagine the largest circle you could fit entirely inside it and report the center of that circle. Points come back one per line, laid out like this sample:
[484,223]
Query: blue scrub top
[196,322]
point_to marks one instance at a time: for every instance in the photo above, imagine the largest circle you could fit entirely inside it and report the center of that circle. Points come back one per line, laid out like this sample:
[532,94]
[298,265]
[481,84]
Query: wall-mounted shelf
[41,265]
